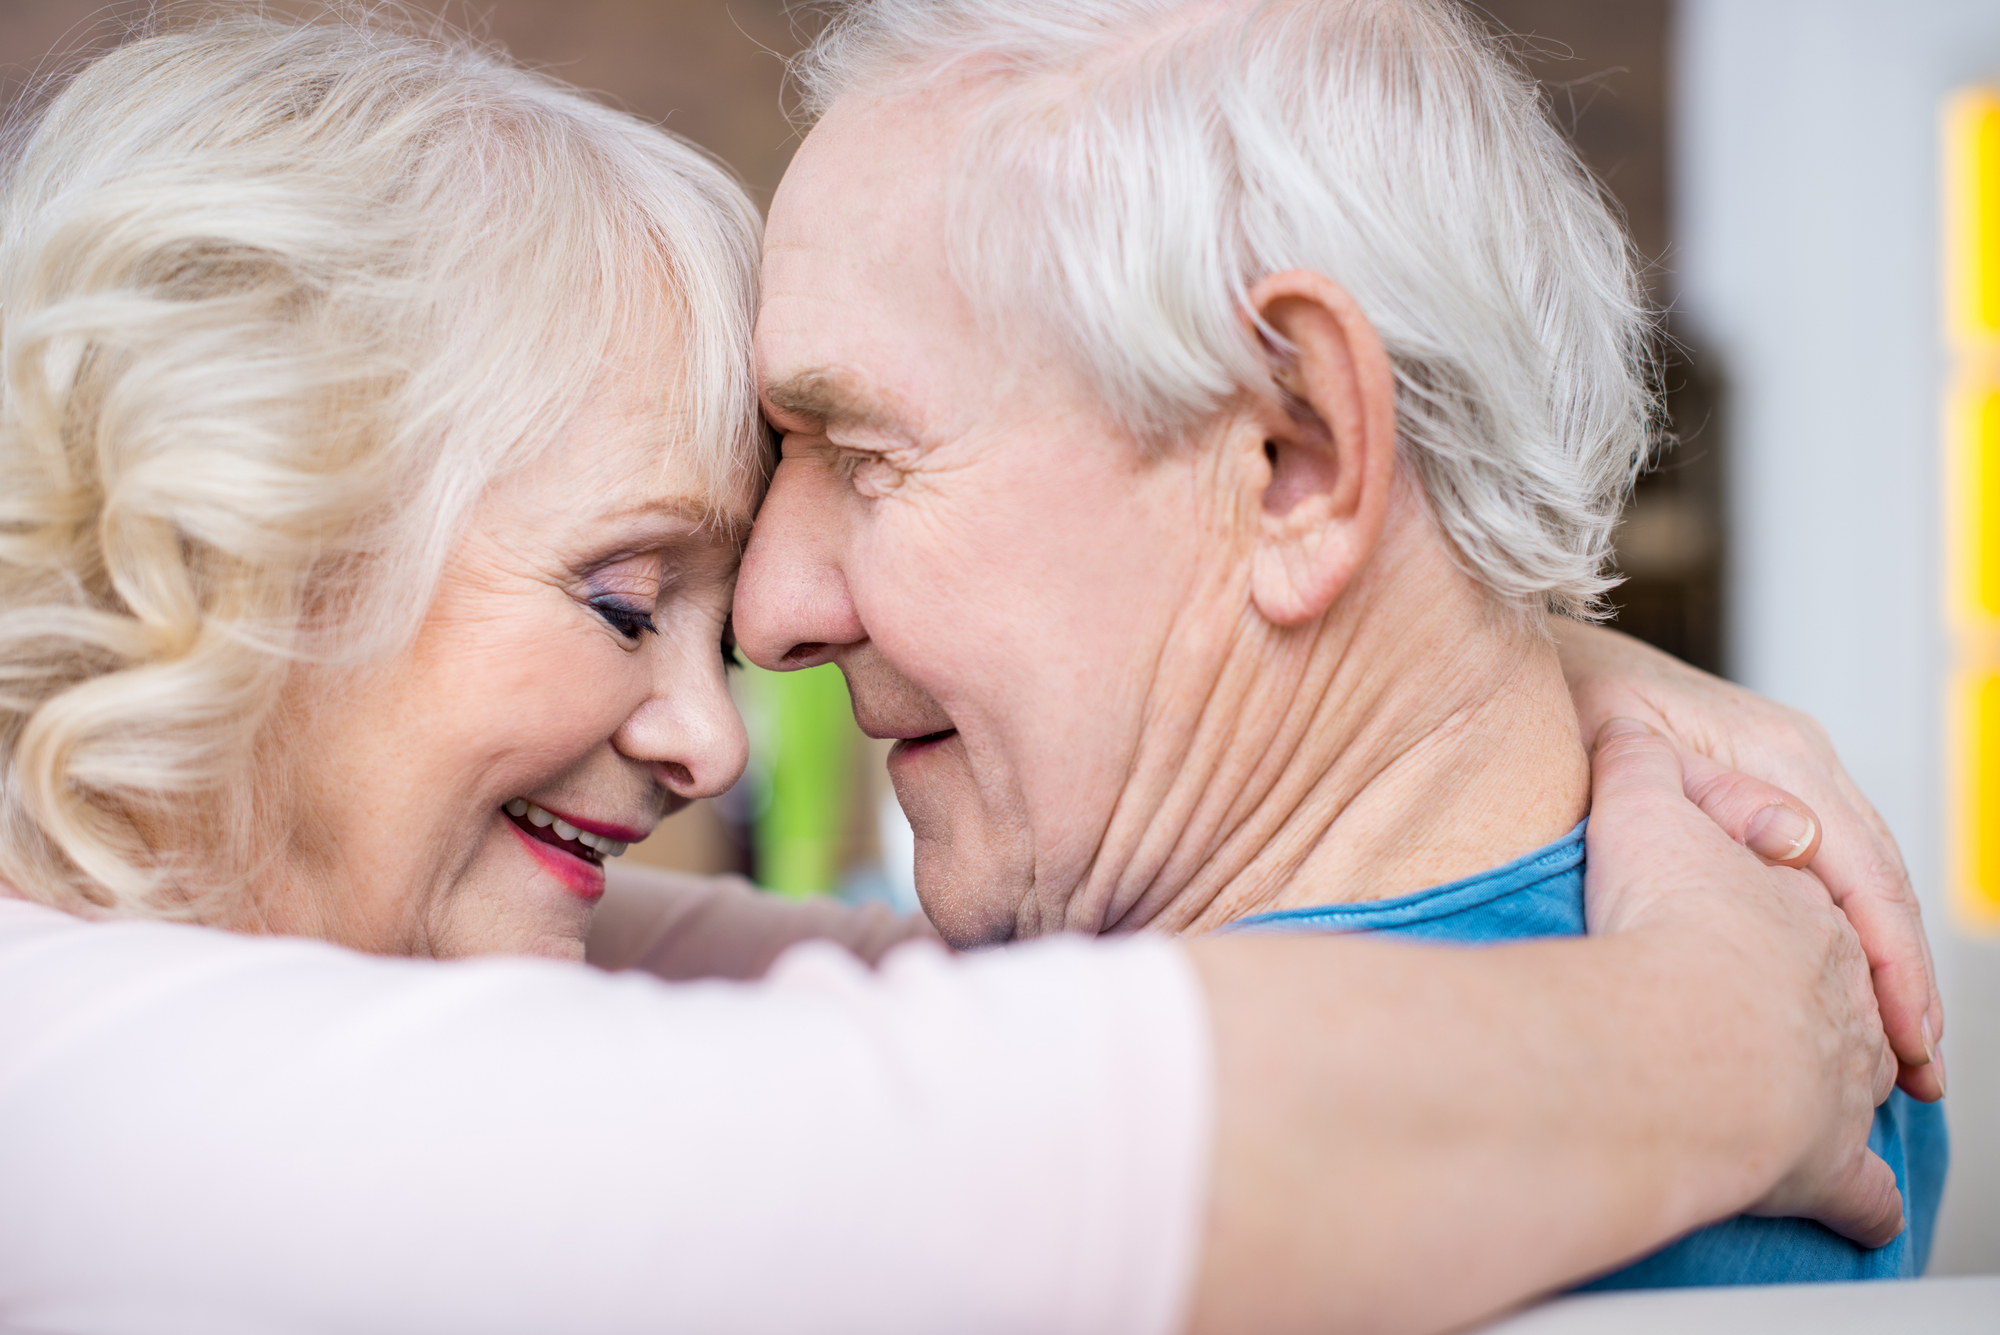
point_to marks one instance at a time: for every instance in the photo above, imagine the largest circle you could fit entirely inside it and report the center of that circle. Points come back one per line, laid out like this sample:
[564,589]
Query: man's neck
[1420,735]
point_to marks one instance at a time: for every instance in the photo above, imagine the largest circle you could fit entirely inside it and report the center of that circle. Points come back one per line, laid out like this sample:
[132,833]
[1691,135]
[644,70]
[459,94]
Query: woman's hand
[1734,744]
[1654,864]
[1509,1121]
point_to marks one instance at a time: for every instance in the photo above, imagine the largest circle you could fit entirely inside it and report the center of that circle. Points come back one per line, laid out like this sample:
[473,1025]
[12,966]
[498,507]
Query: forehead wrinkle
[700,513]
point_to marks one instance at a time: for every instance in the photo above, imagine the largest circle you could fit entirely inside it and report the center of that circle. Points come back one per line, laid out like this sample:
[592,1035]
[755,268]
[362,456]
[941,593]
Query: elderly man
[1192,413]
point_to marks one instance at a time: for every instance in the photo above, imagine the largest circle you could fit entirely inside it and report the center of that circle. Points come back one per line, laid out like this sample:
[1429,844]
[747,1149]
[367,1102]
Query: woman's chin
[521,931]
[520,899]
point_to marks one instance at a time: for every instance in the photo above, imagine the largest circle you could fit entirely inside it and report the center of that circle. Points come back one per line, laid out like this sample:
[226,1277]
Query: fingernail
[1931,1051]
[1619,727]
[1779,833]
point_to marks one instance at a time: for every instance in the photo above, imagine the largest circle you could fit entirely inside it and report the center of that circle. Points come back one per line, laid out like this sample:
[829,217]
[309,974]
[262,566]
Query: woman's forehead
[635,445]
[694,410]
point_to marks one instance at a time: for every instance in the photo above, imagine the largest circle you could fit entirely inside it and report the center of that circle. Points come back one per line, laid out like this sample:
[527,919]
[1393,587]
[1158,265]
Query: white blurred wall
[1806,186]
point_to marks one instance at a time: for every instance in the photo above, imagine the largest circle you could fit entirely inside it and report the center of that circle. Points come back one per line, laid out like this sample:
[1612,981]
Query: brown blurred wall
[709,69]
[1605,64]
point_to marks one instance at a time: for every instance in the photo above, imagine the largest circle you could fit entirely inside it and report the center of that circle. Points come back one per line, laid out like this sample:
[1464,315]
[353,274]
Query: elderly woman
[376,443]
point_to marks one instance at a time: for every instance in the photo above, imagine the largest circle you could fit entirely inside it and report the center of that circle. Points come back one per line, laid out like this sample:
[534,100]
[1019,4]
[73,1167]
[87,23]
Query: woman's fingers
[1866,1209]
[1636,787]
[1823,1065]
[1879,1225]
[1858,864]
[1764,818]
[1865,879]
[1891,930]
[1863,871]
[1719,723]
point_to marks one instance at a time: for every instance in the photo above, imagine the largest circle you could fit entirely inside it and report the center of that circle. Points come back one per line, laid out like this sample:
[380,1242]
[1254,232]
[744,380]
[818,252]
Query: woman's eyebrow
[678,516]
[692,508]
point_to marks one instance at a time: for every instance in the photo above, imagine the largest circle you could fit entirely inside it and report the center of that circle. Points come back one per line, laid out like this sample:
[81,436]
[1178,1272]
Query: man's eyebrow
[828,398]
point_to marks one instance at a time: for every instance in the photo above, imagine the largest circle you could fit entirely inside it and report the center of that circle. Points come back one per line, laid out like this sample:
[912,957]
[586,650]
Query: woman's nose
[689,730]
[793,608]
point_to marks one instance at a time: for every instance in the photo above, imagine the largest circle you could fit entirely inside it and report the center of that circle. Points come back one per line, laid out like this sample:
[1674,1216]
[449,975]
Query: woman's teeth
[521,808]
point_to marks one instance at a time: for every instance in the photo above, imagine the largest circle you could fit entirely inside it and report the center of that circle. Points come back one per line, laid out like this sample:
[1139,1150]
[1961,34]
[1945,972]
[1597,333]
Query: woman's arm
[1614,675]
[206,1131]
[1429,1136]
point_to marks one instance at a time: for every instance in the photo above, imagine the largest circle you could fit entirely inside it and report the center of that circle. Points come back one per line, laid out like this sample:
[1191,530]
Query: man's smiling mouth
[549,828]
[905,745]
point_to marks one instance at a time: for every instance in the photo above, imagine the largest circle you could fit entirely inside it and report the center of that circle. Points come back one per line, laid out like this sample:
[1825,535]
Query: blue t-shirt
[1542,895]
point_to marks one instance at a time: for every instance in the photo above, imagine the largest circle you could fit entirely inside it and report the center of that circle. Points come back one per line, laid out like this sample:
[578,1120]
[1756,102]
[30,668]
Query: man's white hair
[1133,167]
[278,302]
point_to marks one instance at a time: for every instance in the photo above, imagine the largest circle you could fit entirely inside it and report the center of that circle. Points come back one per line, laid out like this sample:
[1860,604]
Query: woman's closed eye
[626,592]
[621,616]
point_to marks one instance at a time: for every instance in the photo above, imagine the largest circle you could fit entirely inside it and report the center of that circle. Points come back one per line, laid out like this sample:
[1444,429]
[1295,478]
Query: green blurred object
[808,737]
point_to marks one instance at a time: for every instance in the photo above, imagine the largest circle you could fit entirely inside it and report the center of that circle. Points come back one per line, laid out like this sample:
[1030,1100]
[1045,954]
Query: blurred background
[1817,186]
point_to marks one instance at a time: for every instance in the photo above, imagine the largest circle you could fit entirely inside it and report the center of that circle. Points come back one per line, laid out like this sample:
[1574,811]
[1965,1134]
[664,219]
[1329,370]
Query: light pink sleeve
[205,1132]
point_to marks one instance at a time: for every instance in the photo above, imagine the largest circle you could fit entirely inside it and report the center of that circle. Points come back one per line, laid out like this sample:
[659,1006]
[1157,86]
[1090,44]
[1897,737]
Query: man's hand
[1733,745]
[1655,862]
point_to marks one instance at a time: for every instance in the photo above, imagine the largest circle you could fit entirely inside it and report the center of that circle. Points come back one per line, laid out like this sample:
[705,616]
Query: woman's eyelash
[627,622]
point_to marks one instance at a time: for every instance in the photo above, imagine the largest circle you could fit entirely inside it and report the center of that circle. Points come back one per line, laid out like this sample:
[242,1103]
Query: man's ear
[1330,443]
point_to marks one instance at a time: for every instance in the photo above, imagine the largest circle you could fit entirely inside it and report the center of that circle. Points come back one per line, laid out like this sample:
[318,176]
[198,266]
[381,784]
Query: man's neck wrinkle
[1275,780]
[1419,737]
[1497,773]
[1283,715]
[1203,733]
[1138,868]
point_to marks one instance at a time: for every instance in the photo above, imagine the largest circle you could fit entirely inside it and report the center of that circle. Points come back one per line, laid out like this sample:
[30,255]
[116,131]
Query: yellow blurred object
[1976,728]
[1972,457]
[1972,215]
[1971,160]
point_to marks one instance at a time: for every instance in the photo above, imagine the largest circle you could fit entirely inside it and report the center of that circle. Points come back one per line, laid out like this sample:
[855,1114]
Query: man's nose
[793,608]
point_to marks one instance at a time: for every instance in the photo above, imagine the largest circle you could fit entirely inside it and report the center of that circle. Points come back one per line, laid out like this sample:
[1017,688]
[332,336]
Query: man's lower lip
[912,745]
[580,878]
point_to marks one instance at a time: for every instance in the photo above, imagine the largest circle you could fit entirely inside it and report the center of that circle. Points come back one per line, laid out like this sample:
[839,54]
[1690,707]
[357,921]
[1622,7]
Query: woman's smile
[572,848]
[519,704]
[599,840]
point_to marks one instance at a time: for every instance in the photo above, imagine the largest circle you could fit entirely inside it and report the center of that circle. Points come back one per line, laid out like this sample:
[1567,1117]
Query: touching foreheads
[1132,167]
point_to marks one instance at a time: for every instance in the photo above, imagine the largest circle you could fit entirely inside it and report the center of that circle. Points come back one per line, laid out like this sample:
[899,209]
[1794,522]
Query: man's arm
[1435,1135]
[1612,675]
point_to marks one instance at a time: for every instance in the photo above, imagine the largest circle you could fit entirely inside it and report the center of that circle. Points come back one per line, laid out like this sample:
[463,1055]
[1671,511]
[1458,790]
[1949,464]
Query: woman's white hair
[277,302]
[1133,167]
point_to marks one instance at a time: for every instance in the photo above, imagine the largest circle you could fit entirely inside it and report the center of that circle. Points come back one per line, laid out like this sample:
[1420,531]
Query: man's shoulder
[1538,894]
